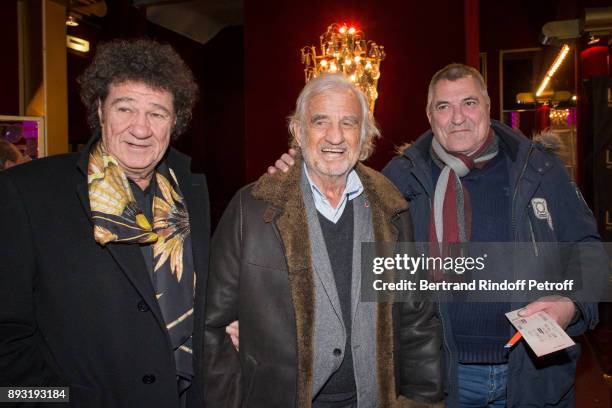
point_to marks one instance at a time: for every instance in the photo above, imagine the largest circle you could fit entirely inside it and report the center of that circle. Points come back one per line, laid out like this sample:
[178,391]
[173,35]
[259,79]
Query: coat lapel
[128,257]
[130,261]
[361,233]
[195,192]
[324,272]
[385,202]
[320,256]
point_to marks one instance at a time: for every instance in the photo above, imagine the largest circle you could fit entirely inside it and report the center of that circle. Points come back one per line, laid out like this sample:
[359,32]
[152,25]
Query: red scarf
[451,216]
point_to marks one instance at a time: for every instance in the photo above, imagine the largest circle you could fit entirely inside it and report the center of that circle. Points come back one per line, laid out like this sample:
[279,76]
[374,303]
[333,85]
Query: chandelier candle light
[344,49]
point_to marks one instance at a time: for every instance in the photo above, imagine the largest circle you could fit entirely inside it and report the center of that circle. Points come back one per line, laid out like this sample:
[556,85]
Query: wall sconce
[344,49]
[71,21]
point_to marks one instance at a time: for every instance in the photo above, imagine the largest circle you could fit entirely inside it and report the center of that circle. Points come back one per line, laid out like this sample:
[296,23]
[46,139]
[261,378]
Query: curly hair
[145,61]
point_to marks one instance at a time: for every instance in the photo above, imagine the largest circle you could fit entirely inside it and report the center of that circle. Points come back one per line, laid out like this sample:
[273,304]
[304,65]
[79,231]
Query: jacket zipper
[514,229]
[533,241]
[516,188]
[450,353]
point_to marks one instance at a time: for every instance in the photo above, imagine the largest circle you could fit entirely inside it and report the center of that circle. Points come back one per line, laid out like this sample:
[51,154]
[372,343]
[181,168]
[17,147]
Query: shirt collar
[353,189]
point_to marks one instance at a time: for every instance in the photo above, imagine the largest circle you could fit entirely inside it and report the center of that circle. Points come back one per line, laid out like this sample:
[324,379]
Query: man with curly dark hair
[103,271]
[144,61]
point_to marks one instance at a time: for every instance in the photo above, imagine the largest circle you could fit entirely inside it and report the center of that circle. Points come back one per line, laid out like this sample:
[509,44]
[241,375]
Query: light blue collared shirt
[352,190]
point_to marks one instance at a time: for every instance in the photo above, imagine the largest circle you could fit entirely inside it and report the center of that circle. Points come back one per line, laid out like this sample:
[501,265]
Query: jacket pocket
[248,375]
[561,382]
[543,381]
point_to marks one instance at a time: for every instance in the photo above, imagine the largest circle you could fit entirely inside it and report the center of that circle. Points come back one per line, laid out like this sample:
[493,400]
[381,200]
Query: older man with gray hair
[286,261]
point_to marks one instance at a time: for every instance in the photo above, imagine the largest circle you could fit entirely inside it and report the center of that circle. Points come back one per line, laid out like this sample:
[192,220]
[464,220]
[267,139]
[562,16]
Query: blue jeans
[482,385]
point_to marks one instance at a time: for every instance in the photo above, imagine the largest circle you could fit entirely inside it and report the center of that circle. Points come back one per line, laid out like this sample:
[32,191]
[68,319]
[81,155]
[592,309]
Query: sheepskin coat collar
[282,191]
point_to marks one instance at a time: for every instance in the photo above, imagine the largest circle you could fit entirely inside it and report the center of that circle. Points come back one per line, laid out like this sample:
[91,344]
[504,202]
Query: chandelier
[558,117]
[344,49]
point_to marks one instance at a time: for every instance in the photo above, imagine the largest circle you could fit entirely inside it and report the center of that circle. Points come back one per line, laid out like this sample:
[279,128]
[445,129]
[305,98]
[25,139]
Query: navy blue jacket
[533,172]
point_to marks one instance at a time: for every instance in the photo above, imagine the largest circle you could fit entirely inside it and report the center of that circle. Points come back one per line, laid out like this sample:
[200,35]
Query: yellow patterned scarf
[116,215]
[117,219]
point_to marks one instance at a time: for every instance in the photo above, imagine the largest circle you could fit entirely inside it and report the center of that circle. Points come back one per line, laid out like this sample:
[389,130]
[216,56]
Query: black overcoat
[74,313]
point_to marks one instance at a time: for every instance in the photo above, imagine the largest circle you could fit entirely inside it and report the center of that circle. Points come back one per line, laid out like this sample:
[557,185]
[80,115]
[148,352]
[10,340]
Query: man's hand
[560,308]
[284,163]
[232,331]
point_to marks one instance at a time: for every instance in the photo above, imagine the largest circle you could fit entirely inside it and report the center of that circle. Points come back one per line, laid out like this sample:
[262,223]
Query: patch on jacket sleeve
[540,210]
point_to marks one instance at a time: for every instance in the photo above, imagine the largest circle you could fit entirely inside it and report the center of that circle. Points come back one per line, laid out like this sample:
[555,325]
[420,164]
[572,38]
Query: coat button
[337,352]
[142,306]
[148,379]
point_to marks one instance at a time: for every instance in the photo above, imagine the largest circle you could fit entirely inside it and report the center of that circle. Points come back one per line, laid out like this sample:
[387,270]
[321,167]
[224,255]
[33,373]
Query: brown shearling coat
[261,274]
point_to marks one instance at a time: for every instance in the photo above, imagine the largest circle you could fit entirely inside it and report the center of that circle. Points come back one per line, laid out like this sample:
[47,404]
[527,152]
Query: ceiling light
[553,68]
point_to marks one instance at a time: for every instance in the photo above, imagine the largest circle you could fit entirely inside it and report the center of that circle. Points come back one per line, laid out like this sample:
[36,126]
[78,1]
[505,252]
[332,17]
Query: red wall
[9,71]
[418,40]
